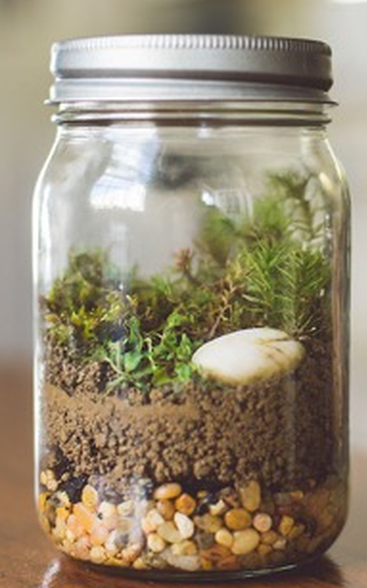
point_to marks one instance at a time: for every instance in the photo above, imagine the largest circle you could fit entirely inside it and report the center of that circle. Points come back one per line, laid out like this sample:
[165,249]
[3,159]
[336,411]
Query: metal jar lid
[190,68]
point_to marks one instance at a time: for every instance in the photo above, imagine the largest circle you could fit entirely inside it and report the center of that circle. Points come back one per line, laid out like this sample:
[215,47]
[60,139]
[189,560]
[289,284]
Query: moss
[240,273]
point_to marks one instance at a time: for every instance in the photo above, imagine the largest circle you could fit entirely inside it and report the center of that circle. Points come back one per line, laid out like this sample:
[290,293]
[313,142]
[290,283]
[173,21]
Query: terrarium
[191,263]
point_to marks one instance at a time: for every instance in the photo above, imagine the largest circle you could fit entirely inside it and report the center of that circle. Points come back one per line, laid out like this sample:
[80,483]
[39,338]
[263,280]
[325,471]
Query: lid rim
[255,60]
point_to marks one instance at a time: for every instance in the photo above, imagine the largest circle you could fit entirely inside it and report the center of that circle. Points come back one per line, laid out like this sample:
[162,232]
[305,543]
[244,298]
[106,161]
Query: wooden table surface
[28,560]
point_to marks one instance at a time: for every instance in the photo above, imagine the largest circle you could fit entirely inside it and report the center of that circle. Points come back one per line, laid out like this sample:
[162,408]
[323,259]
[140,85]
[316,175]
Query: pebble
[224,537]
[132,552]
[90,498]
[169,533]
[251,496]
[107,510]
[74,526]
[208,523]
[97,555]
[139,564]
[237,519]
[81,549]
[84,516]
[168,491]
[262,522]
[245,542]
[286,525]
[125,509]
[156,543]
[184,525]
[264,549]
[99,534]
[166,508]
[296,532]
[280,544]
[269,538]
[218,509]
[113,543]
[184,548]
[185,504]
[188,563]
[152,521]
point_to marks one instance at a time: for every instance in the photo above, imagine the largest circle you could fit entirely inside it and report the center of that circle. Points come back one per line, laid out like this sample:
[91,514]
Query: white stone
[184,525]
[250,356]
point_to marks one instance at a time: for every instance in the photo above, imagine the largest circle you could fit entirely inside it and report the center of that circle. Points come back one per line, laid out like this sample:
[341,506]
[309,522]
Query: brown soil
[204,436]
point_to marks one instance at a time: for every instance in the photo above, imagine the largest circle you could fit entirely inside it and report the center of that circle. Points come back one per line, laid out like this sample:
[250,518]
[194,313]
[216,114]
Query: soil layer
[203,436]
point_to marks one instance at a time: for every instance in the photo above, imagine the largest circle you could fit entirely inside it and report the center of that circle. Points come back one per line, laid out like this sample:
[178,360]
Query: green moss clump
[241,273]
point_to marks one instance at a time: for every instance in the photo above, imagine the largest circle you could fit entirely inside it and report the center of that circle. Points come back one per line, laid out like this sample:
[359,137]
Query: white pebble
[249,356]
[184,525]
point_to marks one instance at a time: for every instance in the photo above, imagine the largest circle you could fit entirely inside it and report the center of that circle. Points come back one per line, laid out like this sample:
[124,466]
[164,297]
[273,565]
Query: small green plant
[240,273]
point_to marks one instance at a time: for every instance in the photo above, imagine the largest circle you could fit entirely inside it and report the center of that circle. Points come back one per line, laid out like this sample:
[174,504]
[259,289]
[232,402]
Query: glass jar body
[191,365]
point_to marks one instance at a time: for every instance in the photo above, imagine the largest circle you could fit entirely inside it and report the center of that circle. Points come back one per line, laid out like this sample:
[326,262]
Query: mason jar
[191,271]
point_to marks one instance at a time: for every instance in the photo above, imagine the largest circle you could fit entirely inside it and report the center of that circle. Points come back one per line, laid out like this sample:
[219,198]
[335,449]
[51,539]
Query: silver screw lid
[190,68]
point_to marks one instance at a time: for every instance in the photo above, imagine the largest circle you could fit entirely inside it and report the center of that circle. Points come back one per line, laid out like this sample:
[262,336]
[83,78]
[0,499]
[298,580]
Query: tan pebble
[286,525]
[99,534]
[81,549]
[125,509]
[156,543]
[269,537]
[206,565]
[237,519]
[169,533]
[262,522]
[106,510]
[218,509]
[74,526]
[280,544]
[296,532]
[49,480]
[85,517]
[216,553]
[224,537]
[184,548]
[297,495]
[245,542]
[63,498]
[97,555]
[185,504]
[168,491]
[43,478]
[69,535]
[152,521]
[67,546]
[208,523]
[139,564]
[111,544]
[124,526]
[264,549]
[59,531]
[62,513]
[90,497]
[42,500]
[228,563]
[132,552]
[166,508]
[251,496]
[184,525]
[188,563]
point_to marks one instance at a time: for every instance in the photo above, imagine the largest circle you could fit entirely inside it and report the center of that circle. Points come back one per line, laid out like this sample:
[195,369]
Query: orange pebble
[74,525]
[84,516]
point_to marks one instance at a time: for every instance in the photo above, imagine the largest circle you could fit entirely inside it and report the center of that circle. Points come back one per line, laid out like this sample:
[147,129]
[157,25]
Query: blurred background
[27,29]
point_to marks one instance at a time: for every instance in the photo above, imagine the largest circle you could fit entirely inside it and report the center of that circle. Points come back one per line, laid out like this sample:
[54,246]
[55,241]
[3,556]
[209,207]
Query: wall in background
[27,29]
